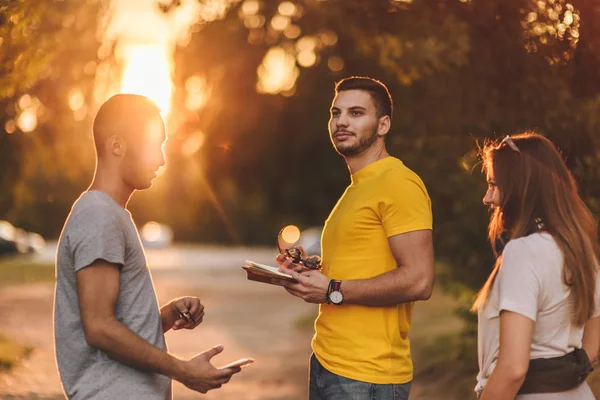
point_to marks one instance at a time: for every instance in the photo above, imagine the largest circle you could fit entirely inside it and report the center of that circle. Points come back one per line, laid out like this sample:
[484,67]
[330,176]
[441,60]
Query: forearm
[388,289]
[592,353]
[503,384]
[123,345]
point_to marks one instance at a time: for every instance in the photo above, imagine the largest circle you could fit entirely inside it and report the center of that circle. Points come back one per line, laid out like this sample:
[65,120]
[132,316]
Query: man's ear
[385,123]
[117,145]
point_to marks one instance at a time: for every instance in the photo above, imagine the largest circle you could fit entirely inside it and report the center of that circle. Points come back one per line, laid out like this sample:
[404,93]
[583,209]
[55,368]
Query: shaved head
[129,134]
[123,115]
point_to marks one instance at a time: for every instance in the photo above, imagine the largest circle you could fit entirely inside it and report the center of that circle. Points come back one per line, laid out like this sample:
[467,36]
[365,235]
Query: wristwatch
[334,295]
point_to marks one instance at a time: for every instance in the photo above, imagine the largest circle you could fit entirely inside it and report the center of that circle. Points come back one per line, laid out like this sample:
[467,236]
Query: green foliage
[459,71]
[42,172]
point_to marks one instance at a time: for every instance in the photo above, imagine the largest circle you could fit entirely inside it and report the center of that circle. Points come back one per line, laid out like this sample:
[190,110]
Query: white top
[530,283]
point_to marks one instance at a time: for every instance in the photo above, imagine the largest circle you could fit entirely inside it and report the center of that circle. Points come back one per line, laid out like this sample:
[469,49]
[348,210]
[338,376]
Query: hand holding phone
[239,363]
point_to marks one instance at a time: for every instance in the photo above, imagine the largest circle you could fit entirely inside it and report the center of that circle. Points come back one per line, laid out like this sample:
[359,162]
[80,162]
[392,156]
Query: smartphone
[239,363]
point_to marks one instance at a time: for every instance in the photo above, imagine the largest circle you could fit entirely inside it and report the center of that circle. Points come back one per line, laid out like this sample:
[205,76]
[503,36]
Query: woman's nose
[487,198]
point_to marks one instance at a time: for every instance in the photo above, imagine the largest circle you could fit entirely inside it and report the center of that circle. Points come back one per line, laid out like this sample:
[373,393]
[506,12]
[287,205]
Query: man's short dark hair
[378,91]
[123,115]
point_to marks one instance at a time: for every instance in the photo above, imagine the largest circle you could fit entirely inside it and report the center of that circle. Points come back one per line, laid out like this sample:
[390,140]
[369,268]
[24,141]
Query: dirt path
[248,318]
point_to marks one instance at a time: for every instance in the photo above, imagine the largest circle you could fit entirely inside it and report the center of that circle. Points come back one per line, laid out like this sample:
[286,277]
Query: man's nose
[160,161]
[342,120]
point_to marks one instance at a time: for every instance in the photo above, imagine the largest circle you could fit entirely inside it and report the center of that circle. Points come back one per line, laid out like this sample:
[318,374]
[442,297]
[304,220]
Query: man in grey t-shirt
[109,329]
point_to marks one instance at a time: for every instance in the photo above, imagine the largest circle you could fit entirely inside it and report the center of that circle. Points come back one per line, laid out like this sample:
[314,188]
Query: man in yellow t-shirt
[377,258]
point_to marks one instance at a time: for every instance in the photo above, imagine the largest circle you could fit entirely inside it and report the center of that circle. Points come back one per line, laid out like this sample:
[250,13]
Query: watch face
[336,297]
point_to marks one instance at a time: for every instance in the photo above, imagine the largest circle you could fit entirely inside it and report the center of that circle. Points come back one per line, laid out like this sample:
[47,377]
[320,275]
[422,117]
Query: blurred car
[310,240]
[7,238]
[21,240]
[35,242]
[18,241]
[156,236]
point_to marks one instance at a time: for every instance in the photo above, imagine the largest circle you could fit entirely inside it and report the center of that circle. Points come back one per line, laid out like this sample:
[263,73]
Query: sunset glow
[147,71]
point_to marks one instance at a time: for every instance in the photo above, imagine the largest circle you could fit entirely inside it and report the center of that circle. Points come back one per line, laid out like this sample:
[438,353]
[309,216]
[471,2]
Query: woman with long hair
[539,314]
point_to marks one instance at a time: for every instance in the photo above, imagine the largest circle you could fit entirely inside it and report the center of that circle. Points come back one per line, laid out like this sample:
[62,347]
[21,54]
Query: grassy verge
[445,361]
[11,353]
[16,270]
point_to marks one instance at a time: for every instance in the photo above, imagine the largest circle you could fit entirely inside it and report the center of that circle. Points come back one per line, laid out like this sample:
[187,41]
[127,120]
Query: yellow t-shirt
[369,344]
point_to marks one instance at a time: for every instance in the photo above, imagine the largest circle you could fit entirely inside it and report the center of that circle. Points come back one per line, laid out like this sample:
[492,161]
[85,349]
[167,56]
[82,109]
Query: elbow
[592,355]
[95,333]
[517,376]
[92,336]
[424,290]
[514,373]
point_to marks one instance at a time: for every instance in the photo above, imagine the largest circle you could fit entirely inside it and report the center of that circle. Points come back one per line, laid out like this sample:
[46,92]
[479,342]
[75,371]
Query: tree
[460,72]
[46,82]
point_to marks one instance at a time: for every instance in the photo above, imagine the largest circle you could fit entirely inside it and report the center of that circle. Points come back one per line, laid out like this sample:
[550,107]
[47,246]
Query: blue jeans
[325,385]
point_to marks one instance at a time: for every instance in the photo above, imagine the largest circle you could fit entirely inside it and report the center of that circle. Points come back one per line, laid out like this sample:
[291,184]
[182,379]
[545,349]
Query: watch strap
[329,289]
[336,286]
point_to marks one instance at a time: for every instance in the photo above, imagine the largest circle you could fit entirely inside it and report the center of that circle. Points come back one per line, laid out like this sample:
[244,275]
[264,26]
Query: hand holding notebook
[266,274]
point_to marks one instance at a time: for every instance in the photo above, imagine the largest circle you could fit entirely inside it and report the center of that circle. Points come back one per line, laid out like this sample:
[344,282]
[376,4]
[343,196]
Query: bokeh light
[280,22]
[10,126]
[287,8]
[307,58]
[335,63]
[306,43]
[254,21]
[76,99]
[328,38]
[27,120]
[545,21]
[278,72]
[24,101]
[290,234]
[151,231]
[197,93]
[250,7]
[292,31]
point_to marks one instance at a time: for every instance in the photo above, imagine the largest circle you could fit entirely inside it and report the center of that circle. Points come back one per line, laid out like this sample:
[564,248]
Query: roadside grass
[445,360]
[17,270]
[11,353]
[307,321]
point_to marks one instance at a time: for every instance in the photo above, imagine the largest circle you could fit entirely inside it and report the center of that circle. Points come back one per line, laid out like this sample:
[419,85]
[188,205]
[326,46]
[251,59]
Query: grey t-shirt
[99,228]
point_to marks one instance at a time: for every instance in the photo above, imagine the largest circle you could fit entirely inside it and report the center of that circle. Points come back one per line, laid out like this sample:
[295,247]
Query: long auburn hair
[534,182]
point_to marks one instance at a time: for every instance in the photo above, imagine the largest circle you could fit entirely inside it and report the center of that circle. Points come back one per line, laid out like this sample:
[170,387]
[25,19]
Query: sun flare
[147,71]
